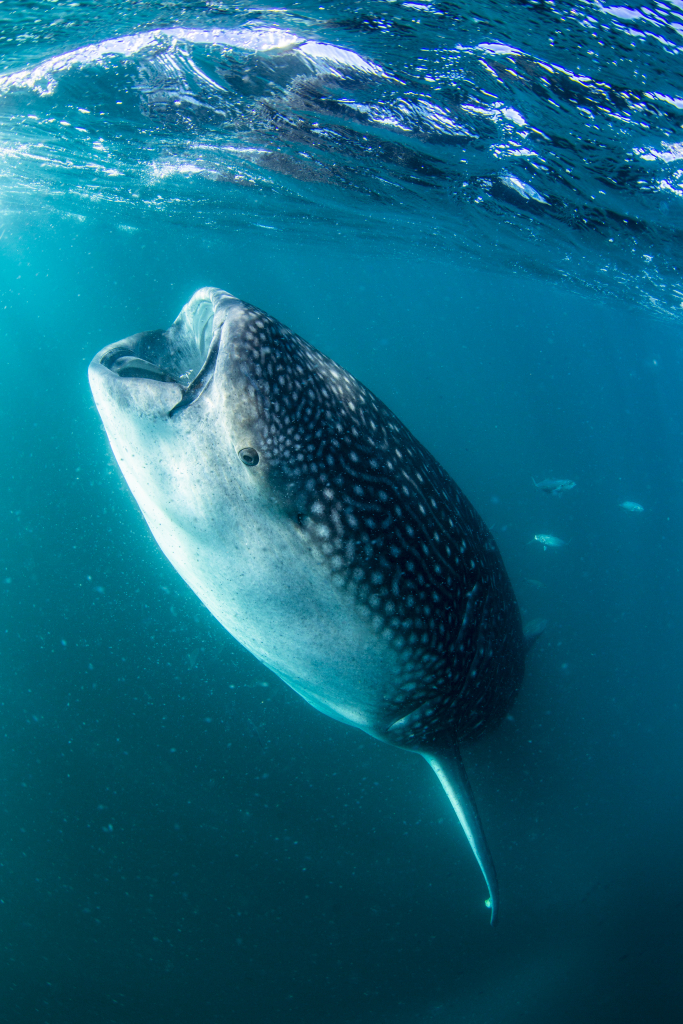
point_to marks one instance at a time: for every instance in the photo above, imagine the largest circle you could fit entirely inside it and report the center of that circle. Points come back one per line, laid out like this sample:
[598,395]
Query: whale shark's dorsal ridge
[318,531]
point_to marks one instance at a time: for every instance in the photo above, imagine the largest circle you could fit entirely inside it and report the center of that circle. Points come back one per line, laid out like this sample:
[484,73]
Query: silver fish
[548,541]
[631,506]
[554,486]
[318,531]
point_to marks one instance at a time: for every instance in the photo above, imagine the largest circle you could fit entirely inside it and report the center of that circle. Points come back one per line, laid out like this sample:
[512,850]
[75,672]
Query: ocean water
[476,209]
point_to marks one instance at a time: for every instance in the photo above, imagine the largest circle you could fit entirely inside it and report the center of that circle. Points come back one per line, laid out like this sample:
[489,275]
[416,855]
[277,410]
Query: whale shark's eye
[249,456]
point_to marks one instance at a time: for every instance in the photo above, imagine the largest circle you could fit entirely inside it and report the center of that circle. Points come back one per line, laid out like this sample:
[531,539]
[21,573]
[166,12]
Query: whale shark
[319,531]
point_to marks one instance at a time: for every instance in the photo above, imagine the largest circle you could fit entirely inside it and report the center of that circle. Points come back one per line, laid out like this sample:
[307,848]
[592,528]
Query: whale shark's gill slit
[201,381]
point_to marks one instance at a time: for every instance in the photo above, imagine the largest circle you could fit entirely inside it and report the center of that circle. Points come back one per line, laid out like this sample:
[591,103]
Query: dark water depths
[182,838]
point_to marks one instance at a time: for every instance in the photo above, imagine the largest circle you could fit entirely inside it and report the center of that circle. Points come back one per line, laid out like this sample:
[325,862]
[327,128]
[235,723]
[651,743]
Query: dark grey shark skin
[345,558]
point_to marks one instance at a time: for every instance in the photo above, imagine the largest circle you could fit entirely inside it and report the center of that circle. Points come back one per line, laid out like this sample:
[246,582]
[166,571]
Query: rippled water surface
[539,135]
[476,209]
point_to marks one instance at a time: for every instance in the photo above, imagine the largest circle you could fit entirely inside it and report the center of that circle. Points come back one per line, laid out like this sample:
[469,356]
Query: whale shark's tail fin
[450,771]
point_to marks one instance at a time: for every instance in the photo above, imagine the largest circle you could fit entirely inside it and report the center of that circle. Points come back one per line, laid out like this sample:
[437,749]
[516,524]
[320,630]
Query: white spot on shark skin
[329,603]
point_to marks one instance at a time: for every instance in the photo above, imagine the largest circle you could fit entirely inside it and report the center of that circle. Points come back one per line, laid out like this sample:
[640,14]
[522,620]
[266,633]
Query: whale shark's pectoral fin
[450,771]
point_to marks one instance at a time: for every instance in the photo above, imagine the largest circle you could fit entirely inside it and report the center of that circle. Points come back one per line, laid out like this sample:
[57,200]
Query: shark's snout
[184,356]
[126,390]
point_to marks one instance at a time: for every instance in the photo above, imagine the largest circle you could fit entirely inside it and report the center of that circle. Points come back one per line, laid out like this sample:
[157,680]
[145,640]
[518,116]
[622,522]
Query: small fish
[548,541]
[533,630]
[554,486]
[631,506]
[534,583]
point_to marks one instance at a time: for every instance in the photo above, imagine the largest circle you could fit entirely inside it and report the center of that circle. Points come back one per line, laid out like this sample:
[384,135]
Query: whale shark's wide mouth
[178,355]
[121,361]
[184,355]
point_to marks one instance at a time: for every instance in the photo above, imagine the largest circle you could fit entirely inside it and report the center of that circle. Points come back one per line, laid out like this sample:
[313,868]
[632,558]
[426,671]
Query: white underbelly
[265,587]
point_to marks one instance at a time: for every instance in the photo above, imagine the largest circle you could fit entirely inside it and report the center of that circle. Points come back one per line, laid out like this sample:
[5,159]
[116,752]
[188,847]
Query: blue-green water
[182,838]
